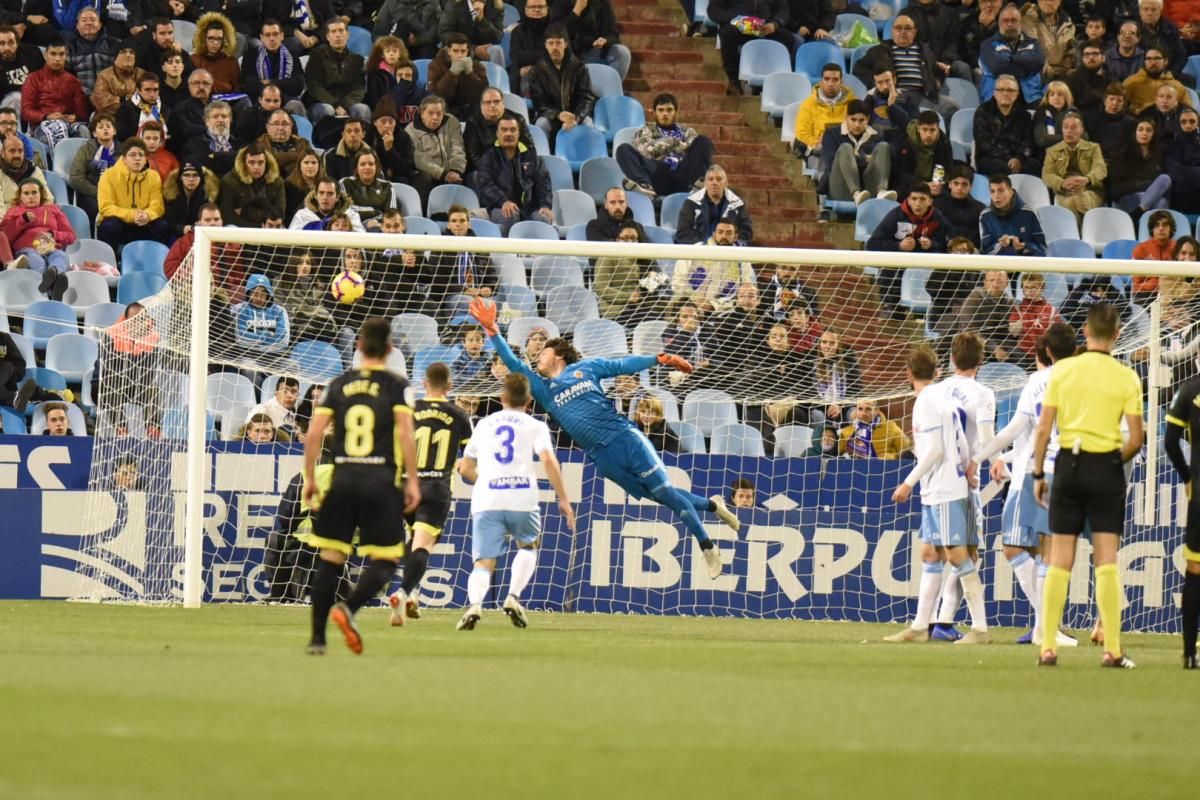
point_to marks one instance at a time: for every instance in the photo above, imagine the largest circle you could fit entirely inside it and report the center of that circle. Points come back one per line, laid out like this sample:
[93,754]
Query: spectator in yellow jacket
[870,434]
[1142,86]
[825,106]
[131,199]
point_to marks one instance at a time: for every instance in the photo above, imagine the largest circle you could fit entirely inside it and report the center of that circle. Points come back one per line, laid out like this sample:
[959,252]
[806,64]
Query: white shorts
[1024,518]
[490,529]
[951,524]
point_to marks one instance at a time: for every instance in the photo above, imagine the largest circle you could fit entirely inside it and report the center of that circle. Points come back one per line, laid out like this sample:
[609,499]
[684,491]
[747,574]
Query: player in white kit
[975,406]
[1026,522]
[947,523]
[499,460]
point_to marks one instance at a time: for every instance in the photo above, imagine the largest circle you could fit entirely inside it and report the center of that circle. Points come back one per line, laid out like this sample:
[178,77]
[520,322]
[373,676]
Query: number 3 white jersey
[978,405]
[504,446]
[937,425]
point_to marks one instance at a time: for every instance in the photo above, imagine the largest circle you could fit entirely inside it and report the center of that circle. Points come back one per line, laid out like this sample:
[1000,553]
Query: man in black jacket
[938,27]
[527,45]
[982,23]
[513,183]
[612,217]
[1004,133]
[960,209]
[186,119]
[560,87]
[159,37]
[17,61]
[90,49]
[1110,125]
[480,134]
[272,63]
[592,25]
[922,156]
[1089,81]
[1183,161]
[733,16]
[714,203]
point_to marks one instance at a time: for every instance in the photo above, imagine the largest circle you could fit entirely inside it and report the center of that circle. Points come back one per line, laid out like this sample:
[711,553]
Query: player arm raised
[928,455]
[484,313]
[312,449]
[554,473]
[408,447]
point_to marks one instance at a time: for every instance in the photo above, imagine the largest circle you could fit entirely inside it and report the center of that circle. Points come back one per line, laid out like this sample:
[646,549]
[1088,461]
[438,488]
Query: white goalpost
[823,542]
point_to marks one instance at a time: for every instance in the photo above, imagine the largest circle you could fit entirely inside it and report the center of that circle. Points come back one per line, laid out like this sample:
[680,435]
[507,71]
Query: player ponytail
[564,350]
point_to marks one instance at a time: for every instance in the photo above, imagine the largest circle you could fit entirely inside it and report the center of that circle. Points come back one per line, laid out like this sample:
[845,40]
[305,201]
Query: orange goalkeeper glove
[485,314]
[676,362]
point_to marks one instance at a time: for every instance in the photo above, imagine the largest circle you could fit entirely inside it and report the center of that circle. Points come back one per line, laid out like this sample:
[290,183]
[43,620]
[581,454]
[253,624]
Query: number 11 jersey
[504,447]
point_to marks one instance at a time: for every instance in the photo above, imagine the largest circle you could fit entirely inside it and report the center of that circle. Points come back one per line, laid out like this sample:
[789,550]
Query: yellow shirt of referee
[1087,396]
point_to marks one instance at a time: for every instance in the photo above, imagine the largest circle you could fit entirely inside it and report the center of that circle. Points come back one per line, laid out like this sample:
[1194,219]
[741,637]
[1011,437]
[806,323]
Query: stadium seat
[736,439]
[616,112]
[1001,375]
[516,104]
[961,91]
[72,355]
[84,290]
[551,271]
[1058,223]
[577,233]
[1070,248]
[605,81]
[394,361]
[913,294]
[1193,68]
[174,387]
[793,441]
[143,256]
[11,422]
[541,144]
[641,206]
[485,227]
[598,175]
[413,332]
[510,269]
[78,219]
[41,155]
[788,132]
[1122,283]
[4,319]
[648,337]
[64,157]
[670,403]
[1183,226]
[85,395]
[511,16]
[58,187]
[1102,225]
[561,176]
[668,215]
[82,250]
[185,33]
[75,420]
[229,395]
[870,212]
[602,338]
[572,207]
[1119,249]
[497,76]
[421,226]
[304,127]
[581,143]
[760,58]
[319,362]
[1032,190]
[854,85]
[407,199]
[431,355]
[691,440]
[175,425]
[518,330]
[47,379]
[25,348]
[47,318]
[138,286]
[1135,332]
[708,409]
[856,55]
[570,305]
[980,189]
[19,288]
[521,300]
[811,57]
[449,194]
[421,65]
[533,229]
[624,136]
[657,235]
[781,89]
[962,128]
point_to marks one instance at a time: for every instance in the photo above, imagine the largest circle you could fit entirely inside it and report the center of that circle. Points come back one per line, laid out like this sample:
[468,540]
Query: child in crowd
[39,230]
[262,324]
[1031,317]
[472,361]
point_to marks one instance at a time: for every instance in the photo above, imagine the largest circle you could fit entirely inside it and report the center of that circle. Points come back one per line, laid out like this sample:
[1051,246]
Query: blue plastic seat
[1070,248]
[510,269]
[571,207]
[793,441]
[143,256]
[57,186]
[781,89]
[856,87]
[25,348]
[78,219]
[485,227]
[520,299]
[624,136]
[856,55]
[432,355]
[421,226]
[787,133]
[541,144]
[414,332]
[72,355]
[511,16]
[561,176]
[616,112]
[668,214]
[11,422]
[691,440]
[1121,249]
[598,175]
[961,91]
[657,235]
[736,439]
[533,229]
[600,338]
[175,425]
[138,286]
[64,157]
[84,290]
[1058,223]
[549,272]
[19,289]
[605,80]
[319,362]
[407,199]
[46,378]
[577,233]
[870,212]
[497,76]
[709,408]
[421,65]
[516,104]
[962,127]
[48,318]
[1102,225]
[1032,190]
[449,194]
[82,250]
[641,207]
[581,143]
[811,58]
[567,306]
[913,294]
[760,58]
[304,127]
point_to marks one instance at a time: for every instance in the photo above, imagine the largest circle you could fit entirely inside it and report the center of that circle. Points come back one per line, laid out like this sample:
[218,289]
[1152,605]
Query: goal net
[799,408]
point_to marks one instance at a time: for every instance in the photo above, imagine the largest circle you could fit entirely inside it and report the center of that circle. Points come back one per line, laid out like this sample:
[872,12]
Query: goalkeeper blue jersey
[575,398]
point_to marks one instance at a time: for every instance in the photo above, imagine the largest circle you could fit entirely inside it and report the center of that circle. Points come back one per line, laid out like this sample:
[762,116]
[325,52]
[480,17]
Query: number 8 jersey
[363,404]
[504,446]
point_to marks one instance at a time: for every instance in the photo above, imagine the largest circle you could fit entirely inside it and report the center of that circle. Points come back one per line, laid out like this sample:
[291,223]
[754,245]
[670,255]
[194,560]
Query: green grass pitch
[125,702]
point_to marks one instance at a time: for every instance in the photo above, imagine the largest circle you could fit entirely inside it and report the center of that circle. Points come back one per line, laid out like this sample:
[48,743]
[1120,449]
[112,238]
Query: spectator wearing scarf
[870,434]
[92,160]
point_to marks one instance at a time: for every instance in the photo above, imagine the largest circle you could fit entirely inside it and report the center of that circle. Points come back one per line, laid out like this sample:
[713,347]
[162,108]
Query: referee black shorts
[1089,489]
[365,500]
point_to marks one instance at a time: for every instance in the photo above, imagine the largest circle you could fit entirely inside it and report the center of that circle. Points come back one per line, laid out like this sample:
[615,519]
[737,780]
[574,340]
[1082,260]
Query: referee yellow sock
[1108,597]
[1054,599]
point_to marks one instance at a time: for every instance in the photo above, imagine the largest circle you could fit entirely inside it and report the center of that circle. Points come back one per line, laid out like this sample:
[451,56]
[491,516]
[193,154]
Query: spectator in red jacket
[1159,247]
[39,230]
[52,94]
[229,275]
[1032,316]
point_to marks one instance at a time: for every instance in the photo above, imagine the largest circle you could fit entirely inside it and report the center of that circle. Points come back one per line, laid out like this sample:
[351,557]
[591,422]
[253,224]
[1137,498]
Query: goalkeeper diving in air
[569,390]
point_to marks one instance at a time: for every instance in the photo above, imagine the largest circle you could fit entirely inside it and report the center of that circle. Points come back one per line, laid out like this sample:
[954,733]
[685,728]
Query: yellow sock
[1108,597]
[1054,599]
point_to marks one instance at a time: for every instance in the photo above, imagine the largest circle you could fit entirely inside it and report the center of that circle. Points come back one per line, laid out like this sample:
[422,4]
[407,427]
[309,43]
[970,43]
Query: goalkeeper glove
[485,314]
[676,362]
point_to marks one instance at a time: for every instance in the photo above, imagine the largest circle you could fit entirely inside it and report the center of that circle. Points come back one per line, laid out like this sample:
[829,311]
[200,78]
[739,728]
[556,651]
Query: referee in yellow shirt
[1087,395]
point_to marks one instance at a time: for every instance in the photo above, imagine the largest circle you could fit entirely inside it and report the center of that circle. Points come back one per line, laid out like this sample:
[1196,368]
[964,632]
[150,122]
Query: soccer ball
[347,287]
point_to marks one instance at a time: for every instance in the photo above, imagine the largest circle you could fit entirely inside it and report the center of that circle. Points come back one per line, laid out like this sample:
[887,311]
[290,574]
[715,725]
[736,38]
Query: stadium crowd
[408,115]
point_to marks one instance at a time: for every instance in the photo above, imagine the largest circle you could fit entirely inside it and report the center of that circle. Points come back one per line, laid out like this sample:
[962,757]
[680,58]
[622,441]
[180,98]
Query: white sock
[951,597]
[931,585]
[1039,583]
[477,585]
[1026,572]
[972,588]
[523,565]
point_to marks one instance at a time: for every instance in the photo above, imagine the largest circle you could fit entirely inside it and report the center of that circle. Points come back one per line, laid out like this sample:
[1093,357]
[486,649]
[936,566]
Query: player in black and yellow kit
[1184,420]
[373,439]
[440,428]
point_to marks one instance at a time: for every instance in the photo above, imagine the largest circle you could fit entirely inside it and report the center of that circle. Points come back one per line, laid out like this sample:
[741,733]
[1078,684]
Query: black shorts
[1089,488]
[431,515]
[1191,540]
[366,500]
